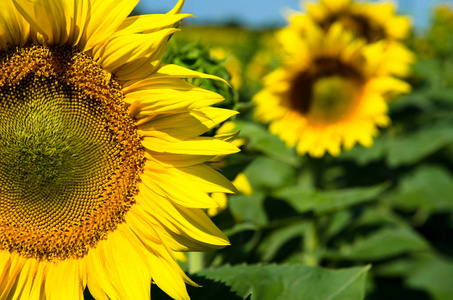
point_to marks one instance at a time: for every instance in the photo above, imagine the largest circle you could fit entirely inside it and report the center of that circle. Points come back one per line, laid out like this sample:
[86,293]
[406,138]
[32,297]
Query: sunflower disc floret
[70,153]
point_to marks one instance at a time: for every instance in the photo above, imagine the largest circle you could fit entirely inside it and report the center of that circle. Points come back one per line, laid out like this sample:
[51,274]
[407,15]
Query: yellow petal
[206,178]
[177,160]
[14,29]
[168,95]
[12,265]
[148,23]
[38,288]
[185,223]
[48,17]
[106,16]
[70,275]
[175,71]
[99,281]
[120,54]
[166,272]
[177,8]
[127,275]
[196,146]
[180,192]
[186,125]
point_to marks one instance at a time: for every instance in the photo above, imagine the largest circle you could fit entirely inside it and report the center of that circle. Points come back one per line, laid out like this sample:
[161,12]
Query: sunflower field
[345,175]
[146,157]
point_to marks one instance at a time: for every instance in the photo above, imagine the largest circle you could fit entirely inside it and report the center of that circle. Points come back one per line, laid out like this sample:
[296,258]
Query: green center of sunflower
[333,97]
[70,156]
[327,92]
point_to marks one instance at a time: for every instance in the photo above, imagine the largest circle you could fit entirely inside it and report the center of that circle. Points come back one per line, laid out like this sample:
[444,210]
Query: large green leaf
[411,148]
[268,173]
[304,200]
[381,244]
[273,242]
[283,282]
[428,272]
[434,275]
[249,208]
[405,148]
[428,187]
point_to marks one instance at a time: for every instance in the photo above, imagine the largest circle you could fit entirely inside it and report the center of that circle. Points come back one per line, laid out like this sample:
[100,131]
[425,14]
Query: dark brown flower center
[326,91]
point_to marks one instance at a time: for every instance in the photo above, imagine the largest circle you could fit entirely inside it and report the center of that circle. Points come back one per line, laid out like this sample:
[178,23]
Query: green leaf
[411,148]
[210,289]
[265,172]
[275,240]
[249,208]
[321,202]
[283,282]
[259,139]
[336,222]
[434,275]
[428,272]
[383,243]
[428,187]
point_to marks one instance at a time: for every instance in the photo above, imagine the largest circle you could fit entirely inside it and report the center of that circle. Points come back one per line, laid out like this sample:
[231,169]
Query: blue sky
[267,12]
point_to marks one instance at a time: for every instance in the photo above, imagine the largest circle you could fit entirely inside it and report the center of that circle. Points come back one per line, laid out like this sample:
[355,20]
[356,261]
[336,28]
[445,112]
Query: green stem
[311,239]
[311,244]
[196,262]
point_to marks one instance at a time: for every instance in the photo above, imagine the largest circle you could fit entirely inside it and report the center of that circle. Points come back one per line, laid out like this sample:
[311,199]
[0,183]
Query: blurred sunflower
[326,94]
[102,168]
[375,22]
[372,21]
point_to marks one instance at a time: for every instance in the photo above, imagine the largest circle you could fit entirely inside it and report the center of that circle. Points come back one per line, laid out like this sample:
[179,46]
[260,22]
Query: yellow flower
[326,94]
[375,22]
[372,21]
[102,165]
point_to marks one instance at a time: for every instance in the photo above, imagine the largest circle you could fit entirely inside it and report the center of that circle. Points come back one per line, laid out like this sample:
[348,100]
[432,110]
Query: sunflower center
[70,156]
[327,92]
[333,98]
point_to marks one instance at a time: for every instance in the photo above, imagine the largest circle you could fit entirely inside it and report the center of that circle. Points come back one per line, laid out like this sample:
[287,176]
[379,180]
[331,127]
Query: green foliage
[323,202]
[272,282]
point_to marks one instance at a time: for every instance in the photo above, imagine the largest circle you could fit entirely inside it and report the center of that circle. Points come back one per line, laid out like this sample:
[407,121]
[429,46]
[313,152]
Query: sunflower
[375,22]
[327,93]
[102,165]
[372,21]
